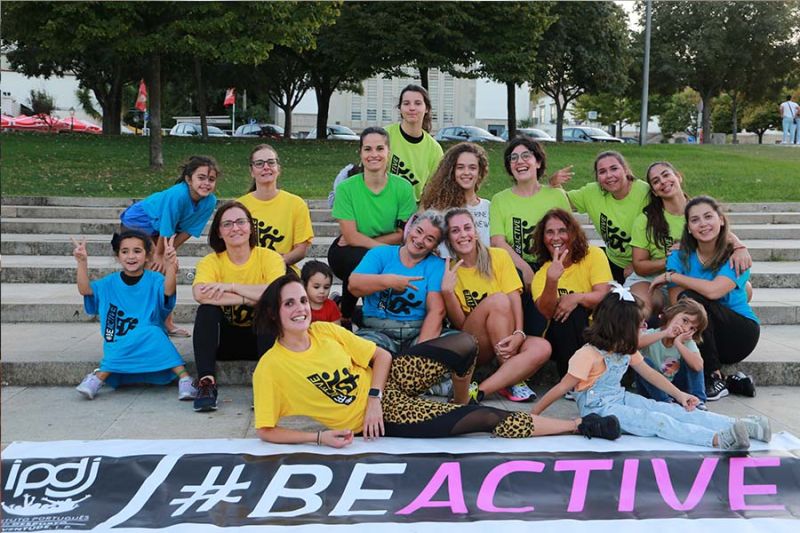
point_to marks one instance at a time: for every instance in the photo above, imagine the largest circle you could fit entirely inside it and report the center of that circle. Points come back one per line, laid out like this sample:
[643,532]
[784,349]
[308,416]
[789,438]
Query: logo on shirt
[398,168]
[522,234]
[339,387]
[613,236]
[473,298]
[397,304]
[117,324]
[564,292]
[268,235]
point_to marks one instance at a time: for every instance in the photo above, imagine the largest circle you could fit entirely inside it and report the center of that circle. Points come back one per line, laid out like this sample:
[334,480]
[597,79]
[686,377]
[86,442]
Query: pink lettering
[697,491]
[627,487]
[580,483]
[450,472]
[737,490]
[493,479]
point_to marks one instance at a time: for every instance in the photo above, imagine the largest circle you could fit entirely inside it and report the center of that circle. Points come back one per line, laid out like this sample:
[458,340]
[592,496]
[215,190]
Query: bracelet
[319,438]
[668,276]
[519,332]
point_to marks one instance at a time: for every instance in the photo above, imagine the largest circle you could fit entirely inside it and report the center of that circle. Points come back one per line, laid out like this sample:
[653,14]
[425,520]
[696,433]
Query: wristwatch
[376,393]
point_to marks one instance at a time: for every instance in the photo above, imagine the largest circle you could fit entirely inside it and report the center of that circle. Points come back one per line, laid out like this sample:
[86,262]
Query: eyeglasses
[259,163]
[523,156]
[228,224]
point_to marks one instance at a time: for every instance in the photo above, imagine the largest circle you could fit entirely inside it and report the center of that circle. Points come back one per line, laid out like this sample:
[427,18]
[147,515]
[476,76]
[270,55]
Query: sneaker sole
[86,394]
[185,398]
[205,408]
[722,394]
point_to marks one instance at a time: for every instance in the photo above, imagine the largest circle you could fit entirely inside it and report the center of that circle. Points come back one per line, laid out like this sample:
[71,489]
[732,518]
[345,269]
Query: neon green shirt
[612,218]
[515,217]
[639,237]
[415,162]
[374,214]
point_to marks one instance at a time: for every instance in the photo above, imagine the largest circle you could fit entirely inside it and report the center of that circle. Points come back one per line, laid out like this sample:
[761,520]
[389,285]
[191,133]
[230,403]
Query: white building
[456,101]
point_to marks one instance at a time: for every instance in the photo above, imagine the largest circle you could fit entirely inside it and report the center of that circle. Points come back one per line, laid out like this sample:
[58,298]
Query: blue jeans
[788,130]
[686,379]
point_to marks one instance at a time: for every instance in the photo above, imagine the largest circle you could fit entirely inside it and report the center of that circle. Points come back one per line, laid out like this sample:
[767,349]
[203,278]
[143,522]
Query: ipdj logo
[60,483]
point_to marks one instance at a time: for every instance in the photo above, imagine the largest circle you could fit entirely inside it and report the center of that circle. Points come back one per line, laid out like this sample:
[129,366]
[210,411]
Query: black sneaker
[604,427]
[715,389]
[741,384]
[206,399]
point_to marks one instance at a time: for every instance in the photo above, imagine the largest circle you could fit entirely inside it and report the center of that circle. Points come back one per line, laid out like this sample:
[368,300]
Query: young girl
[132,305]
[317,279]
[672,350]
[180,211]
[596,369]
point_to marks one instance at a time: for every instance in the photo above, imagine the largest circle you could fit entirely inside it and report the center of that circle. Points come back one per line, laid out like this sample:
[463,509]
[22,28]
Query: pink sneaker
[518,393]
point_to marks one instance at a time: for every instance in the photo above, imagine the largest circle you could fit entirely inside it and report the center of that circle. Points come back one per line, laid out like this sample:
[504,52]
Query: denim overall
[645,417]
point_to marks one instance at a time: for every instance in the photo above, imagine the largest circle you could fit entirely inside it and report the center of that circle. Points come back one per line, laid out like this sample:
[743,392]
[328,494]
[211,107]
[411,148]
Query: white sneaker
[570,395]
[90,385]
[186,390]
[518,393]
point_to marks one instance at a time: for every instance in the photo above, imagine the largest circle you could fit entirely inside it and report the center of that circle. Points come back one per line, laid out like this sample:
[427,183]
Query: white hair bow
[624,293]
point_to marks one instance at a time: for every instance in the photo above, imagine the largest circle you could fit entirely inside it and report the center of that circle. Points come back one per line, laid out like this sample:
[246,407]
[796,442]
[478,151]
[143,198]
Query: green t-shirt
[515,217]
[415,162]
[374,214]
[667,360]
[612,218]
[639,237]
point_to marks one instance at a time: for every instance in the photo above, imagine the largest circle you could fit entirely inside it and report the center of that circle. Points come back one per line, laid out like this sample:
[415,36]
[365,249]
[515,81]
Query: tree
[585,50]
[611,109]
[506,38]
[722,114]
[760,117]
[285,80]
[680,114]
[715,46]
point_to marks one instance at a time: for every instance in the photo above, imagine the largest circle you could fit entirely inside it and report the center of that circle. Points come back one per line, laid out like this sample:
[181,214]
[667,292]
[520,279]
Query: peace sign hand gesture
[170,254]
[80,253]
[557,265]
[450,277]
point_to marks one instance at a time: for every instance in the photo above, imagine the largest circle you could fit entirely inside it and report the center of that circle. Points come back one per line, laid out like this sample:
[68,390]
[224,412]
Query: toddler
[317,278]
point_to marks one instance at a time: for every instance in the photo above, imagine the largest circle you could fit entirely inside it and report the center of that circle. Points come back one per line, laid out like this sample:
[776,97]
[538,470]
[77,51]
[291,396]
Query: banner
[141,98]
[246,484]
[230,97]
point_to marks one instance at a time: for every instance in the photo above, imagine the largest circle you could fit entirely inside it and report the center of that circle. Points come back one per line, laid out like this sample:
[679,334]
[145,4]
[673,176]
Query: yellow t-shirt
[579,277]
[263,267]
[472,288]
[587,364]
[281,223]
[329,382]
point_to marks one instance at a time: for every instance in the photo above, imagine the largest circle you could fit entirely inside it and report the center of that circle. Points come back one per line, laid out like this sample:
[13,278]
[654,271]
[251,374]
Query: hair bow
[624,293]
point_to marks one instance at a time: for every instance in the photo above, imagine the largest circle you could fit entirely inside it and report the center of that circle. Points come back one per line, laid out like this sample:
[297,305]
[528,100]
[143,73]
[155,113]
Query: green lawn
[75,165]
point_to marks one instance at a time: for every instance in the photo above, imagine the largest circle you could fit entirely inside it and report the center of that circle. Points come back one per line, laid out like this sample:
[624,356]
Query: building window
[355,108]
[448,100]
[372,100]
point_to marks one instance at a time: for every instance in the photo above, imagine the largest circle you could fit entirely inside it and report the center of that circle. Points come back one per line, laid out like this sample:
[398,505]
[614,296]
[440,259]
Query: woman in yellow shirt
[482,294]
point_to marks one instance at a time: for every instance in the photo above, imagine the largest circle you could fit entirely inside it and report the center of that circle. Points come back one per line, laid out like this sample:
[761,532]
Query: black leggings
[406,414]
[214,338]
[343,260]
[729,337]
[566,337]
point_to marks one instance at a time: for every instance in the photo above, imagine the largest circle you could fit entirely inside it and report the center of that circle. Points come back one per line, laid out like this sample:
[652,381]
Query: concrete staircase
[47,339]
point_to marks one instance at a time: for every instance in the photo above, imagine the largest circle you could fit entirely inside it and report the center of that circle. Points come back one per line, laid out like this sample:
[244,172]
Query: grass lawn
[88,165]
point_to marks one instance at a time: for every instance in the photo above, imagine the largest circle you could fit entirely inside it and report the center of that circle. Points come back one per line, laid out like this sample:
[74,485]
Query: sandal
[178,332]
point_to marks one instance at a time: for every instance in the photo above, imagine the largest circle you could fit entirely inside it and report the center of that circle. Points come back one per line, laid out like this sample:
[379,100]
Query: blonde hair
[484,262]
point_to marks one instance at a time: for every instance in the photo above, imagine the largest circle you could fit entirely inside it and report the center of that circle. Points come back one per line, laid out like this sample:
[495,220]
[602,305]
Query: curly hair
[579,244]
[536,149]
[657,229]
[442,192]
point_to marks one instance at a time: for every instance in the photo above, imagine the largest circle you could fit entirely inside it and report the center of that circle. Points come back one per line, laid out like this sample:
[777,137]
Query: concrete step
[60,302]
[68,351]
[80,201]
[99,245]
[88,226]
[105,213]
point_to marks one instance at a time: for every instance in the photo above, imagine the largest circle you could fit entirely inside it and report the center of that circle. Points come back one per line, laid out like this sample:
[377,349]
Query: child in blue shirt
[180,211]
[672,350]
[132,305]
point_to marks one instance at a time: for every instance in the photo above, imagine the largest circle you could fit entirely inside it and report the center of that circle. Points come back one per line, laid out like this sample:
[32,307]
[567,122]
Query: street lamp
[71,119]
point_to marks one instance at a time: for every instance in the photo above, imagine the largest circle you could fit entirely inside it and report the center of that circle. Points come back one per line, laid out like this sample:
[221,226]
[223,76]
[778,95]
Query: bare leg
[102,376]
[533,354]
[543,425]
[642,290]
[490,322]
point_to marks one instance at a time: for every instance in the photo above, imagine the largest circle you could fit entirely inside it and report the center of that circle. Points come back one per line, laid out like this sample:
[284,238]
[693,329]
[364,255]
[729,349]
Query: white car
[336,133]
[187,129]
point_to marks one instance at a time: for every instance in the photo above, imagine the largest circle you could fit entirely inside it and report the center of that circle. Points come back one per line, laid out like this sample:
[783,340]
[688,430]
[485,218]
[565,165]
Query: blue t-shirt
[131,322]
[173,211]
[408,305]
[735,300]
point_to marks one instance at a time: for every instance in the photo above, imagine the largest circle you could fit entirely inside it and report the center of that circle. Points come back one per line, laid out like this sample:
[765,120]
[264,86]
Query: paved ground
[60,413]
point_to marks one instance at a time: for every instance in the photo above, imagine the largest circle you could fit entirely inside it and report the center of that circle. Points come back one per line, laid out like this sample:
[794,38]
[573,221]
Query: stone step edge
[70,373]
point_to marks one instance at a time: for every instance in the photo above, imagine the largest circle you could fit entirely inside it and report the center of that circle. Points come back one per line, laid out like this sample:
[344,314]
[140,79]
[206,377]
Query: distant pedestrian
[789,112]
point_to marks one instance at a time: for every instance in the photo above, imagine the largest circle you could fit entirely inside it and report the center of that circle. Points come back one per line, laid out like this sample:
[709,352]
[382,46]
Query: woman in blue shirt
[701,270]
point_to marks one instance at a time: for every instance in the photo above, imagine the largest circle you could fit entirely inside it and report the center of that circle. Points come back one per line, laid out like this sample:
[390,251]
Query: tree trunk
[201,97]
[760,134]
[423,77]
[511,104]
[735,123]
[109,96]
[287,121]
[560,120]
[323,108]
[706,118]
[154,97]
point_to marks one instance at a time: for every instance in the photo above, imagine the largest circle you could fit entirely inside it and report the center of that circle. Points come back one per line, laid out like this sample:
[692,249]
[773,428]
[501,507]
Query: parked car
[588,135]
[466,133]
[336,133]
[533,133]
[630,140]
[188,129]
[268,131]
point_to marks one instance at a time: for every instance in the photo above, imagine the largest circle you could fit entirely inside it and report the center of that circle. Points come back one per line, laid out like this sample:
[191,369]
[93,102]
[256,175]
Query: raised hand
[170,253]
[557,265]
[79,252]
[561,176]
[449,278]
[401,283]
